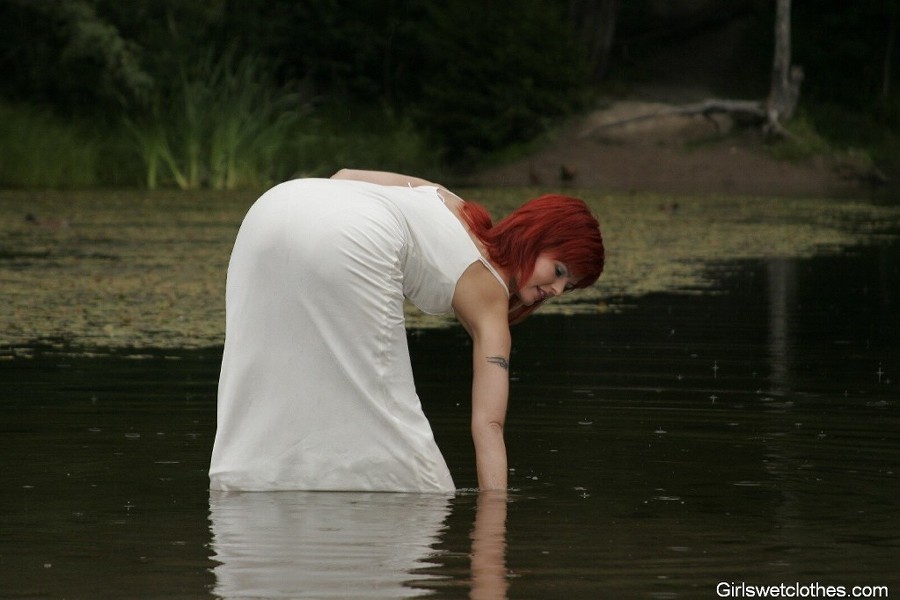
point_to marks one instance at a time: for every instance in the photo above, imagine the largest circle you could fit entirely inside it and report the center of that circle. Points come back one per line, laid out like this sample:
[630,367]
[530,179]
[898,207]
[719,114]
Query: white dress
[316,390]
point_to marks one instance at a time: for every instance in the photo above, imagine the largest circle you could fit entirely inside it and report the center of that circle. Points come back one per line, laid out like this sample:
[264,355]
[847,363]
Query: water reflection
[309,544]
[781,275]
[489,577]
[348,545]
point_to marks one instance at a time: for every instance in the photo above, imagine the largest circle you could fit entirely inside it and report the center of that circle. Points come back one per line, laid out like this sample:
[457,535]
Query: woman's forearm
[490,392]
[490,456]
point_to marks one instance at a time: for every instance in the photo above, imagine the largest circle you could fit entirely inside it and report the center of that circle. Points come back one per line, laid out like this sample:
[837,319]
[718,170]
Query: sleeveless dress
[316,389]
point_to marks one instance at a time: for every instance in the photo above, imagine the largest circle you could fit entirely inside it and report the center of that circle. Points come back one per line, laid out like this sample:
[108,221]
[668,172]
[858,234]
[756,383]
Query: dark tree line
[476,74]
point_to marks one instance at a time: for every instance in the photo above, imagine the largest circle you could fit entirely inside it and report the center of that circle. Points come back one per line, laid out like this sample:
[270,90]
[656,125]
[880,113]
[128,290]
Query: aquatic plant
[129,269]
[152,144]
[224,125]
[252,124]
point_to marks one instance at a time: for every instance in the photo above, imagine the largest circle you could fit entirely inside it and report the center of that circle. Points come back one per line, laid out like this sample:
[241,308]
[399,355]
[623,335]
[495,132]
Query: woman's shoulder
[480,296]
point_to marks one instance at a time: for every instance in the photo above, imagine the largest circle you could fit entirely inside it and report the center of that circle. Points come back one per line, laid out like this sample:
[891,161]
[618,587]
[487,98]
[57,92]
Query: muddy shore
[635,146]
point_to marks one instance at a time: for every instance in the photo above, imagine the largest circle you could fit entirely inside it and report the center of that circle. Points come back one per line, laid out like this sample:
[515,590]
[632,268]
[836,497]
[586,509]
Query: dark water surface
[674,450]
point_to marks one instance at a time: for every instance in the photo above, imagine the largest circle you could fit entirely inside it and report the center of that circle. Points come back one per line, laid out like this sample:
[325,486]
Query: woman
[316,389]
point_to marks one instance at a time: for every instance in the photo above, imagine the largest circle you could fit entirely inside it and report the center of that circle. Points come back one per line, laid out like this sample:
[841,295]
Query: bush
[497,75]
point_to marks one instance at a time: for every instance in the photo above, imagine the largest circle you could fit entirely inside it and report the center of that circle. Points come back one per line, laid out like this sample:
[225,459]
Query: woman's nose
[558,287]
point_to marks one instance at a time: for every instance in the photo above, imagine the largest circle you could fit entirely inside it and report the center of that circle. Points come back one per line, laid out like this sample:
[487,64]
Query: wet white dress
[316,390]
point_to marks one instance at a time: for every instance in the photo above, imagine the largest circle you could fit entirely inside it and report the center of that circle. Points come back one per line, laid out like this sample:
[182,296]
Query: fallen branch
[750,112]
[743,110]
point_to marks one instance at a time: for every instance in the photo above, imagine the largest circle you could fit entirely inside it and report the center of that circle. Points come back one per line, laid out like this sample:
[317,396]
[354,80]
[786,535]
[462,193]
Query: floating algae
[131,270]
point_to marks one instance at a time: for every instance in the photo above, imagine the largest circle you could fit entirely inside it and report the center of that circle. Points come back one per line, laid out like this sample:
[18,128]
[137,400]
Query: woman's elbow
[487,428]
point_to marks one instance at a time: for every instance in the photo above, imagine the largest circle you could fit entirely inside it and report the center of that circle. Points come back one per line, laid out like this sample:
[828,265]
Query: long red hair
[559,226]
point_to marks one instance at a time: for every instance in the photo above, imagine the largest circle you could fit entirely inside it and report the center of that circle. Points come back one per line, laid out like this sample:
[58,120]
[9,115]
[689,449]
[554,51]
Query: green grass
[802,142]
[875,133]
[40,150]
[228,133]
[362,137]
[858,144]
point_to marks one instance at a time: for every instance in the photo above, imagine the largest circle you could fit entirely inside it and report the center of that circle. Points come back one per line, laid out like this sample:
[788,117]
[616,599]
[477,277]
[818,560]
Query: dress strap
[483,260]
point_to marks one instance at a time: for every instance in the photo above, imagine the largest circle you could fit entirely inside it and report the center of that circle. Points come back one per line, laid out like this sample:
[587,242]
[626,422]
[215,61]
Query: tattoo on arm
[499,361]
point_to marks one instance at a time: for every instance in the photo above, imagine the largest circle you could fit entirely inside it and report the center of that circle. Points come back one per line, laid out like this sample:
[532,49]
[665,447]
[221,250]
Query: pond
[671,443]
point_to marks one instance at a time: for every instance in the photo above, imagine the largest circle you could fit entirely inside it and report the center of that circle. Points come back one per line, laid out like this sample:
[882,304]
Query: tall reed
[224,125]
[253,124]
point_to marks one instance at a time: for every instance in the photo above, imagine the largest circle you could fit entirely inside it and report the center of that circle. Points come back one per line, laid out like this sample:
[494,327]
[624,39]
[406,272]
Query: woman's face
[550,278]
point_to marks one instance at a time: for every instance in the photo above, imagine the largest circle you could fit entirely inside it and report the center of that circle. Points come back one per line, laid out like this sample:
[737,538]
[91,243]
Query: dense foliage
[230,93]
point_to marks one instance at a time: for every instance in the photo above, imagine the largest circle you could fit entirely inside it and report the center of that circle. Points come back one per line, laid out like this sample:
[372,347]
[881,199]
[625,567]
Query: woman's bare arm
[481,307]
[387,178]
[381,177]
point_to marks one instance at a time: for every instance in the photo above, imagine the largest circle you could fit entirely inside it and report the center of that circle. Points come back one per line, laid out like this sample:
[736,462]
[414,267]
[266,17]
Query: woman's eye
[560,271]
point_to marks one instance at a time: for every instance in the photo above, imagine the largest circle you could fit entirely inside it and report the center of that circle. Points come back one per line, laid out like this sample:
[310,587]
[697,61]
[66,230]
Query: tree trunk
[595,22]
[886,66]
[785,87]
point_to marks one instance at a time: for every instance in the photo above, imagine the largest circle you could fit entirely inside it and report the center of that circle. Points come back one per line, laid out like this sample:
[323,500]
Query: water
[673,450]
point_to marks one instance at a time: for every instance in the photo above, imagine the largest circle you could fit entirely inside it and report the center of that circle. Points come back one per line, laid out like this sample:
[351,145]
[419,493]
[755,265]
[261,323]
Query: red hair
[559,226]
